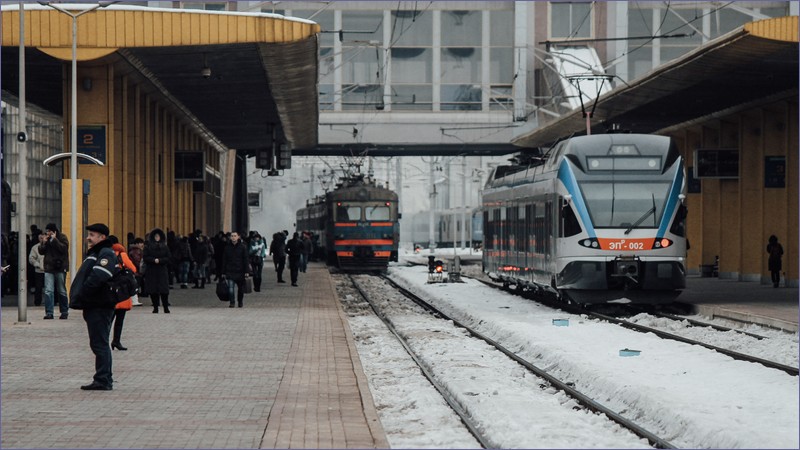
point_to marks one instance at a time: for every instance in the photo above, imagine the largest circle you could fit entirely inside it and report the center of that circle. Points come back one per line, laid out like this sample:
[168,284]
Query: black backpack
[123,284]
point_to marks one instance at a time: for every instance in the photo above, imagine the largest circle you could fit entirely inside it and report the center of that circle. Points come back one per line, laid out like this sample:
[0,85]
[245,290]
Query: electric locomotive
[601,218]
[357,224]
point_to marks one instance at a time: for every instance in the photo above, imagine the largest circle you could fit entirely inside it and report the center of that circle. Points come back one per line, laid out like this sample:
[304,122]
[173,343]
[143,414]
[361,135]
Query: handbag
[125,304]
[247,286]
[222,290]
[122,284]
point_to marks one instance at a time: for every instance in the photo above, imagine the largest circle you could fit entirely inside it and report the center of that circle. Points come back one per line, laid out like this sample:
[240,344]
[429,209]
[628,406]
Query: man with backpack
[90,293]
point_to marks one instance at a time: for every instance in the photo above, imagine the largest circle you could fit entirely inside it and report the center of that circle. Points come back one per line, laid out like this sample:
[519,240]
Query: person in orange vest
[125,305]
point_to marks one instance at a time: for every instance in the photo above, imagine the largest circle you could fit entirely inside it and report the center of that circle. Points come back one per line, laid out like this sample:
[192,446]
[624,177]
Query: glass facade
[386,59]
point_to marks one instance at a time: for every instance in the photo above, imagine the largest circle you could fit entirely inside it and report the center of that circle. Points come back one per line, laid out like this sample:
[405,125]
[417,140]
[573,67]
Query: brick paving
[281,372]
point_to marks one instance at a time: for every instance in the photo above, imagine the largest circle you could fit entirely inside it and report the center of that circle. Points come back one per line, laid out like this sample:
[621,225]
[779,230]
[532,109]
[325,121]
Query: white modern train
[601,218]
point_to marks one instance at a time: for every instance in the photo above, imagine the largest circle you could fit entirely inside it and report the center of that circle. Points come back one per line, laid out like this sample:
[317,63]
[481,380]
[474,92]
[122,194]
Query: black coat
[235,262]
[156,276]
[89,289]
[56,253]
[294,248]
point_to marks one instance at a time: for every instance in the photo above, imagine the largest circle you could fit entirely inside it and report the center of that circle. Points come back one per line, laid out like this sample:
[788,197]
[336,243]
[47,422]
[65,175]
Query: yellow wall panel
[750,183]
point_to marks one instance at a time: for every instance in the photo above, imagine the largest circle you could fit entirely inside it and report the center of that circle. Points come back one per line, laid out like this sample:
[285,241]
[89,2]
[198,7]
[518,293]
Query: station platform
[281,372]
[746,301]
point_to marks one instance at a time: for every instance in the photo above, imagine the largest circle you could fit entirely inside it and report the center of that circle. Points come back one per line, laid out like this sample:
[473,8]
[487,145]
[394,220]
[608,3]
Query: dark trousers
[776,277]
[258,267]
[38,284]
[98,323]
[160,298]
[119,319]
[294,267]
[280,264]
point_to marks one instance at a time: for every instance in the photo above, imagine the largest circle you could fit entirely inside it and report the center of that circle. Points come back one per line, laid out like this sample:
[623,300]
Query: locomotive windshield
[378,213]
[346,213]
[622,204]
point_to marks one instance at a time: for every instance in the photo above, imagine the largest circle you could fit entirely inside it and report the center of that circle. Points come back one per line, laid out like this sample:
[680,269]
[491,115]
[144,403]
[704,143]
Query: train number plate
[626,245]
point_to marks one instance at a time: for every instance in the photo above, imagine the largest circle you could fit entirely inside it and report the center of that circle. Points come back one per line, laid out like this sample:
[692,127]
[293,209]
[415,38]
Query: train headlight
[662,243]
[589,243]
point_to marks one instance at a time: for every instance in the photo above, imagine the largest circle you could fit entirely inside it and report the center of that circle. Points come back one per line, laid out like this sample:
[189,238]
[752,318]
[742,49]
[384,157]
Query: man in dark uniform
[90,293]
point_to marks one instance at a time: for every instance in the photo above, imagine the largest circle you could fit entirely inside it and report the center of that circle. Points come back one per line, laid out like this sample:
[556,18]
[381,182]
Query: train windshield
[625,204]
[378,213]
[346,213]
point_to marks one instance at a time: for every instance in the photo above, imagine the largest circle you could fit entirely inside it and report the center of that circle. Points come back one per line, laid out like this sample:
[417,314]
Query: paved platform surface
[282,372]
[747,301]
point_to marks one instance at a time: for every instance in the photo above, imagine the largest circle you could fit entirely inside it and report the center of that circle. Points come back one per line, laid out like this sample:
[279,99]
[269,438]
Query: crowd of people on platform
[163,261]
[160,261]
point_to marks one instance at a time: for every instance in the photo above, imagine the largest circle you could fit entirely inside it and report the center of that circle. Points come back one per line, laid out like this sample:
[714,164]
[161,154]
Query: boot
[155,305]
[257,284]
[166,306]
[202,283]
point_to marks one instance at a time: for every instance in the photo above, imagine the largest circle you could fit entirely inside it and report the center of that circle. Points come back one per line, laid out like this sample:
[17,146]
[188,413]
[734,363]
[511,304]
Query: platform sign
[190,166]
[716,163]
[92,142]
[774,171]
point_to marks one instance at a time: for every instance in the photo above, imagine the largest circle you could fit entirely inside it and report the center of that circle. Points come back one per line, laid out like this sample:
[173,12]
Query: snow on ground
[779,346]
[510,406]
[408,405]
[689,395]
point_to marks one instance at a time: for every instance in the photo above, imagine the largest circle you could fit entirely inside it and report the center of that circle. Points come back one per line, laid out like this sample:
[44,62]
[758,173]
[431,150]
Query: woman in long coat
[156,278]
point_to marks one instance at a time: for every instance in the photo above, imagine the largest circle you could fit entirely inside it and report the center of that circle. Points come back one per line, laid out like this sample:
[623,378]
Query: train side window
[678,227]
[569,222]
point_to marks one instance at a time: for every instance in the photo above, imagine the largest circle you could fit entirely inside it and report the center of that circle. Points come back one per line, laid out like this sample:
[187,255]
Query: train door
[520,244]
[502,241]
[511,229]
[550,226]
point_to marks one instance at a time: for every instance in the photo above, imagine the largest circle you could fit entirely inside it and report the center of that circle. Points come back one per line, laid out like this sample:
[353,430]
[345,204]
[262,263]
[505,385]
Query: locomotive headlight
[662,243]
[590,243]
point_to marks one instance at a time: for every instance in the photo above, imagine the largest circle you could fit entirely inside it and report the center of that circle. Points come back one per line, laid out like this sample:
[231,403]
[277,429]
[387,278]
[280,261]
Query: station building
[170,101]
[436,80]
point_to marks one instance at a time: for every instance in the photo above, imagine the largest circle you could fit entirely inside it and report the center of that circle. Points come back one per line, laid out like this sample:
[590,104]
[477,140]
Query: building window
[501,61]
[254,199]
[412,60]
[461,28]
[570,20]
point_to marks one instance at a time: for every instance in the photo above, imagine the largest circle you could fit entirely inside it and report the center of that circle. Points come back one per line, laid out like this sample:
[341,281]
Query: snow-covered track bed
[738,344]
[688,395]
[502,402]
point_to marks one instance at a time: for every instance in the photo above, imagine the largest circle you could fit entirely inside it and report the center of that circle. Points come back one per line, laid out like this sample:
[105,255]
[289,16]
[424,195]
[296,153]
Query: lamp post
[22,138]
[73,130]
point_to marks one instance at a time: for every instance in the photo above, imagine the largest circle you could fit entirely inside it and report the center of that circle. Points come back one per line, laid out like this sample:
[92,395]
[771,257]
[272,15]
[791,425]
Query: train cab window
[346,213]
[569,222]
[378,213]
[679,224]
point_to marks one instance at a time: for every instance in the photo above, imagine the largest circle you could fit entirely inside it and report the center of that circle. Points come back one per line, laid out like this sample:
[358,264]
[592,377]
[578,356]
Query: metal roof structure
[752,65]
[238,77]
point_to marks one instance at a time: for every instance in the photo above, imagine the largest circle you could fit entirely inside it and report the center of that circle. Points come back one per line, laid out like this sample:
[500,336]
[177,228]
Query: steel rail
[574,309]
[456,407]
[585,400]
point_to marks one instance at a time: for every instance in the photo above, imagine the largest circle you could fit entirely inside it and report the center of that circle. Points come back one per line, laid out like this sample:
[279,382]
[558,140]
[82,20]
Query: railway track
[565,387]
[576,309]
